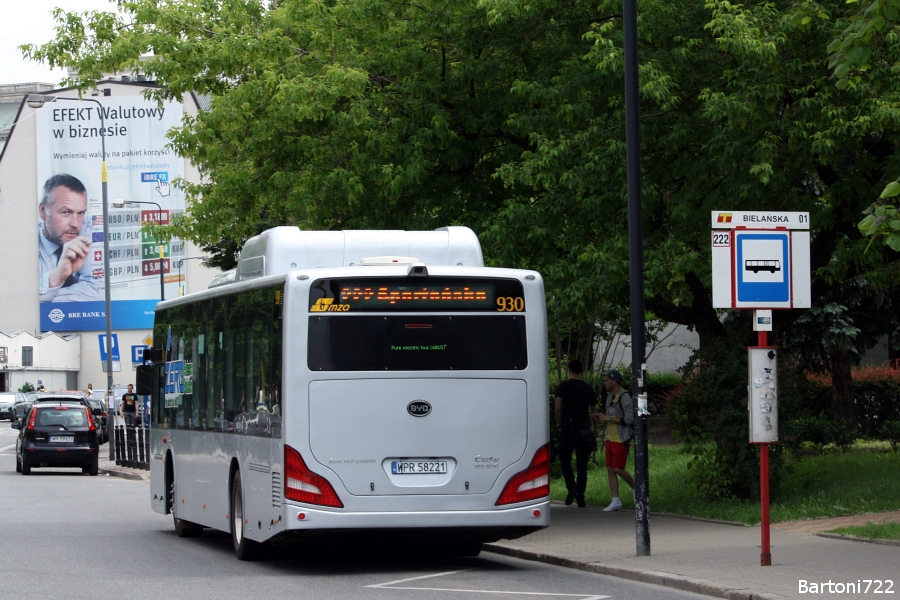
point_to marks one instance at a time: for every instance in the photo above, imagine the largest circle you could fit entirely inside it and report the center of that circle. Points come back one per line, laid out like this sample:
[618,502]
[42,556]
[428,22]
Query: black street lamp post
[181,263]
[636,276]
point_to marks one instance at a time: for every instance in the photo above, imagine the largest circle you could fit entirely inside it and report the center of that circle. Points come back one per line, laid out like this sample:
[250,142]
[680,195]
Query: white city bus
[354,383]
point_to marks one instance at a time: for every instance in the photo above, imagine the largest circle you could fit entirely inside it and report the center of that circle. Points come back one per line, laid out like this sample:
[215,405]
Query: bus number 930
[510,304]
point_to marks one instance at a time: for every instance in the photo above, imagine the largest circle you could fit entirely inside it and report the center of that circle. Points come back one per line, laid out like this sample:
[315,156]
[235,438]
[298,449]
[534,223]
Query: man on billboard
[65,243]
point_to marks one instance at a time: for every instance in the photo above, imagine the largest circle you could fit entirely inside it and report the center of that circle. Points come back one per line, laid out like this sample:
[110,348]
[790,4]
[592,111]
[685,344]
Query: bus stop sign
[760,260]
[762,268]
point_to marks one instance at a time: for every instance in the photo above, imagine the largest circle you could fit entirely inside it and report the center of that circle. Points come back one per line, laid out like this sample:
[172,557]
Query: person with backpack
[619,418]
[575,400]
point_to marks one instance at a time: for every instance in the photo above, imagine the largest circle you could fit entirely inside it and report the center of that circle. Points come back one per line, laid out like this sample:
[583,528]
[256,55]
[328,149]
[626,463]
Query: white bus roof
[282,249]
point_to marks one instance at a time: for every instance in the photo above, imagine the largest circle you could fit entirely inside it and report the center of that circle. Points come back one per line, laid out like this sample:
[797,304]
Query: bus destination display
[420,294]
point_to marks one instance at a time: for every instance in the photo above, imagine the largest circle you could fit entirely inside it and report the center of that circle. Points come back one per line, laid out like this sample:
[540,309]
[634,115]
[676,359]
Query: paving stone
[709,558]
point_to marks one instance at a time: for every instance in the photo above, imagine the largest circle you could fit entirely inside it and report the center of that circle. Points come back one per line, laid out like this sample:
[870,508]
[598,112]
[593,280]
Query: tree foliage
[508,116]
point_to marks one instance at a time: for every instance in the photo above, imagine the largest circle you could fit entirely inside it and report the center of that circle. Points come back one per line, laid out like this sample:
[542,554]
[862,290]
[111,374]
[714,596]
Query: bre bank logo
[327,305]
[56,315]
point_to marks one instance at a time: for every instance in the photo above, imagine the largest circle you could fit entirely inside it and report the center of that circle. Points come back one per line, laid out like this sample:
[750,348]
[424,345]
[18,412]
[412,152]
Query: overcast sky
[30,22]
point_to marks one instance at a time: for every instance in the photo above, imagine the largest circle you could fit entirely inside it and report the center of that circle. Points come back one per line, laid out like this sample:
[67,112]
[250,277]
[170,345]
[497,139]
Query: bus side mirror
[144,380]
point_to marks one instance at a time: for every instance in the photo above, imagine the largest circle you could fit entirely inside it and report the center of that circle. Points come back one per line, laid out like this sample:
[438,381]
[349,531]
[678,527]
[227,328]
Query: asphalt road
[68,535]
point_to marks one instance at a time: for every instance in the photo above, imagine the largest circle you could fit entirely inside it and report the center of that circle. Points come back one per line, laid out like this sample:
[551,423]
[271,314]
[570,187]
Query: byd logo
[418,408]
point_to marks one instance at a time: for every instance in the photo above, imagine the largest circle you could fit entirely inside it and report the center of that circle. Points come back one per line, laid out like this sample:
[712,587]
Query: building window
[4,355]
[27,356]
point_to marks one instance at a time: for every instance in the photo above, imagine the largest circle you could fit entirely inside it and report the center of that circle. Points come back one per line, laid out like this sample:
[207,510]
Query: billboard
[70,226]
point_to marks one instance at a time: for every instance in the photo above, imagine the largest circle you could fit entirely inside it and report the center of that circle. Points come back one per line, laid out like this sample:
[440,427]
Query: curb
[122,474]
[678,582]
[678,516]
[702,519]
[854,538]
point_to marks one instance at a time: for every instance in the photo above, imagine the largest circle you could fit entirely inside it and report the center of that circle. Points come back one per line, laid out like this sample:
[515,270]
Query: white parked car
[7,401]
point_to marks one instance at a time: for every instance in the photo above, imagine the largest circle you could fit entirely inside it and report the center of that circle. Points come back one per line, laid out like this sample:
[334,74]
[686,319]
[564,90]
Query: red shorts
[616,454]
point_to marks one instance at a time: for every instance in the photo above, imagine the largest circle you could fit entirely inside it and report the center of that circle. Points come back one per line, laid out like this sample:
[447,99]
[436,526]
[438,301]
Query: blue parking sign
[137,353]
[115,346]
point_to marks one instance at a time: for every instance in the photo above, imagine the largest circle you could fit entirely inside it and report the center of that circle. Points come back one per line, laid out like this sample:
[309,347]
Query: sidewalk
[711,558]
[108,467]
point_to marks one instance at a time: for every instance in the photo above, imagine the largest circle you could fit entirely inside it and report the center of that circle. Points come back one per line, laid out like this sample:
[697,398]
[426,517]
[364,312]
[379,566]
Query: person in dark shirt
[129,406]
[575,400]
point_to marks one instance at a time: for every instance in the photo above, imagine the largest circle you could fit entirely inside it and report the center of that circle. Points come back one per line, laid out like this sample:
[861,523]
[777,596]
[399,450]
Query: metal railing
[132,446]
[17,89]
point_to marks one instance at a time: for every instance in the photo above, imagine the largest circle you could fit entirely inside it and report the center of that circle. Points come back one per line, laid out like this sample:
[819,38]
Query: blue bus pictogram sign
[762,268]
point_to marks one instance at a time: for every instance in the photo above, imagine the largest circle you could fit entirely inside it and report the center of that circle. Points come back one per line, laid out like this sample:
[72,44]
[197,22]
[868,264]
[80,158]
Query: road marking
[379,585]
[5,448]
[391,585]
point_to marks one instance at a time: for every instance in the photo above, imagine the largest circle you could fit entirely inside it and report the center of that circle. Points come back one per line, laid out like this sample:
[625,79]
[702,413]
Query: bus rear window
[414,343]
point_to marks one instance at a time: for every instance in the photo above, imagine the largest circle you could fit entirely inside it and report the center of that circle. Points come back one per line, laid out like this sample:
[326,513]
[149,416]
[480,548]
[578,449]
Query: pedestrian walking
[619,418]
[575,400]
[129,406]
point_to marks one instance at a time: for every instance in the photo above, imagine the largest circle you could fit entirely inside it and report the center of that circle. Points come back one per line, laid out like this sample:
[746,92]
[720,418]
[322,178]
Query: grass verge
[863,480]
[879,531]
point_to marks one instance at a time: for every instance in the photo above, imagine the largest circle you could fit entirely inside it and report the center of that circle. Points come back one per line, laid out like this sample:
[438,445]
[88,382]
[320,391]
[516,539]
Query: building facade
[57,325]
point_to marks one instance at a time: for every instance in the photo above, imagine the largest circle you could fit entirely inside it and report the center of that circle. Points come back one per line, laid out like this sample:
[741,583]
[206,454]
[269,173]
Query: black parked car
[24,403]
[57,434]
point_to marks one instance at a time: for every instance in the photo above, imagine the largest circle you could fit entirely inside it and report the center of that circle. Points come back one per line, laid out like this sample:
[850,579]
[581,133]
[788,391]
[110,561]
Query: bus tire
[465,548]
[244,549]
[186,529]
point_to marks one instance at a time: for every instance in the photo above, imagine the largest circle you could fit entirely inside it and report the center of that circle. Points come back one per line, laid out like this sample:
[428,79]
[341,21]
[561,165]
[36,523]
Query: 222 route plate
[418,467]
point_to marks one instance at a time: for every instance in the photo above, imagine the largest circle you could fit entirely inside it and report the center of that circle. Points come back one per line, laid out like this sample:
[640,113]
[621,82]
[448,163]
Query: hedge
[876,394]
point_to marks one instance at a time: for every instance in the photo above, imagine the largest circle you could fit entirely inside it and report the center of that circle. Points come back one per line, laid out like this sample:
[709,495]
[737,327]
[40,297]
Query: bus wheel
[244,548]
[465,548]
[186,529]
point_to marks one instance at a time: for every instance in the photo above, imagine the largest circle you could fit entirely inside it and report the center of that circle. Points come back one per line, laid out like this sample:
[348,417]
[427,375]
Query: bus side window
[159,372]
[234,402]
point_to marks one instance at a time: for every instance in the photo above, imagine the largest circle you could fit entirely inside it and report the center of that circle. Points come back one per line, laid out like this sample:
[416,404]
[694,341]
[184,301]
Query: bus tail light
[530,484]
[303,485]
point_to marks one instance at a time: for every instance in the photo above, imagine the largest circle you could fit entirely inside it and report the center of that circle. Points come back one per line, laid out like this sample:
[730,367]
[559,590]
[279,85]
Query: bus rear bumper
[530,517]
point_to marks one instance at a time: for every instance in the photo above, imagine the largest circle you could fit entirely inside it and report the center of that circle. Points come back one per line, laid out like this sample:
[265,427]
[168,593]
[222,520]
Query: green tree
[508,116]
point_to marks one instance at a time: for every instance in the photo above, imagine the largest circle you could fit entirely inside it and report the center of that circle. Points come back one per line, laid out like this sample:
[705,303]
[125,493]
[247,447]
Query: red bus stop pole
[765,558]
